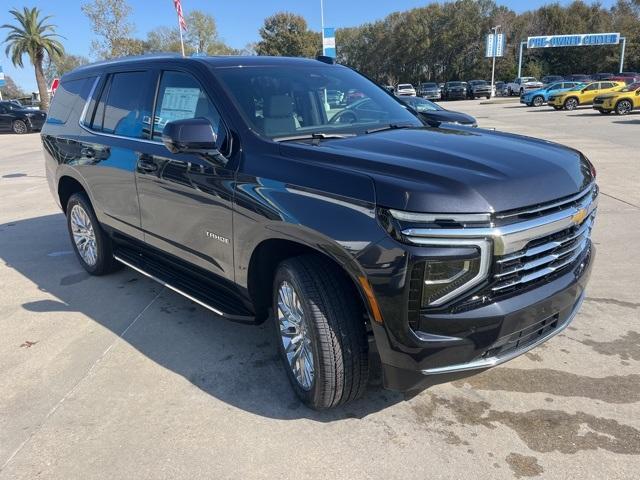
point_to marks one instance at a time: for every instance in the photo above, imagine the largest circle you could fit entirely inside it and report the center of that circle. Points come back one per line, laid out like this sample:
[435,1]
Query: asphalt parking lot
[116,377]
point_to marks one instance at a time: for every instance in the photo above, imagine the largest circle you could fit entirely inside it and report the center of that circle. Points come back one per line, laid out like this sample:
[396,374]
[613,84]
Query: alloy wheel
[623,107]
[83,235]
[571,104]
[538,101]
[295,335]
[19,127]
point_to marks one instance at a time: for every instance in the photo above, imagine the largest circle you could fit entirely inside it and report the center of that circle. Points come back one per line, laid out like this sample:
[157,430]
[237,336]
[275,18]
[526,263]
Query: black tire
[510,92]
[104,262]
[488,97]
[19,127]
[571,103]
[335,326]
[623,107]
[537,101]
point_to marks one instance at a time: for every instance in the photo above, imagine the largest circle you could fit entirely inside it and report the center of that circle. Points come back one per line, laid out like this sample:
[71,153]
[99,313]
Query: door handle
[146,164]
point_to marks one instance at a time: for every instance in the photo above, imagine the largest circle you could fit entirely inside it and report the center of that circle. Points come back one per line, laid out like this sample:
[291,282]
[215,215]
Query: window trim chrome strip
[499,359]
[508,238]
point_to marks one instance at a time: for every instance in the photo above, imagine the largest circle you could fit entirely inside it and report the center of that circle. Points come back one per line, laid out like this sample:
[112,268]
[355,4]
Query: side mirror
[192,135]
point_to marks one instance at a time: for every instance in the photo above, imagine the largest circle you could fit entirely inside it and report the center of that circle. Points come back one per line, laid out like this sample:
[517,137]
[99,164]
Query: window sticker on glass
[177,104]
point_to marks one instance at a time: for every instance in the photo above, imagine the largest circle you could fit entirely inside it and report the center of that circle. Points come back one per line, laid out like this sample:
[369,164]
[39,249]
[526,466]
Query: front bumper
[432,95]
[477,339]
[456,95]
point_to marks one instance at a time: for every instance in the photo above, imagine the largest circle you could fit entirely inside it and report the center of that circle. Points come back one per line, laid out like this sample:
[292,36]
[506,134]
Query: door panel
[121,124]
[185,200]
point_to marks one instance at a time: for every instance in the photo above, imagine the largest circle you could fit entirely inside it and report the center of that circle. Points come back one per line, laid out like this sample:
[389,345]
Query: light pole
[493,68]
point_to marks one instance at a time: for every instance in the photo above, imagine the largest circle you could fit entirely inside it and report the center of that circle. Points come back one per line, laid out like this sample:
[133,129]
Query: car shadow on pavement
[232,362]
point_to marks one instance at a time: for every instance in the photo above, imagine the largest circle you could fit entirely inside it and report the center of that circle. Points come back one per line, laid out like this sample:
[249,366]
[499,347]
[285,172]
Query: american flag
[178,5]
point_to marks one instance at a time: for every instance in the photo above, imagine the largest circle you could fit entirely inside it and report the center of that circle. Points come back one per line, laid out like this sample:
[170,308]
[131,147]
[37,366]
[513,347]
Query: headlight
[443,277]
[456,266]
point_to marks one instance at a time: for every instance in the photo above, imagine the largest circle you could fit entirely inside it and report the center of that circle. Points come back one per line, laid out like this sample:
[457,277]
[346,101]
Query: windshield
[456,84]
[422,105]
[302,100]
[477,82]
[429,85]
[529,79]
[405,85]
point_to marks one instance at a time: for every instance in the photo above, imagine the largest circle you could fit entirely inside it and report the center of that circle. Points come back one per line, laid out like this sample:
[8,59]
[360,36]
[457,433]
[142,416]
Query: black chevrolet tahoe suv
[365,236]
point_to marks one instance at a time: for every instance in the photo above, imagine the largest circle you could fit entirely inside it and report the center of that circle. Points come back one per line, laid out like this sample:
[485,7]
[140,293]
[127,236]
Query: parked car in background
[628,78]
[582,95]
[405,89]
[454,91]
[335,98]
[478,88]
[523,84]
[622,101]
[429,90]
[601,76]
[435,115]
[353,96]
[548,79]
[429,251]
[19,119]
[537,98]
[578,77]
[501,89]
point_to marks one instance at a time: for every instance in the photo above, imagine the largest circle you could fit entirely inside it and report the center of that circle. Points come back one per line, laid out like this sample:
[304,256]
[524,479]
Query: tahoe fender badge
[215,236]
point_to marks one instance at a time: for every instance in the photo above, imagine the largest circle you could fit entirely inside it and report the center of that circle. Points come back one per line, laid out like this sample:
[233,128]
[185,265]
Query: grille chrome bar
[513,237]
[530,252]
[549,206]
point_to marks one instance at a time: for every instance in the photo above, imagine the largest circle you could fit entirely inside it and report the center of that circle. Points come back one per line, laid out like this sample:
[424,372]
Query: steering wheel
[344,116]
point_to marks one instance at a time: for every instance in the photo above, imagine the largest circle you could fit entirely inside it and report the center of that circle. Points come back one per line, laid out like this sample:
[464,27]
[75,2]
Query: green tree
[110,22]
[58,66]
[287,34]
[33,36]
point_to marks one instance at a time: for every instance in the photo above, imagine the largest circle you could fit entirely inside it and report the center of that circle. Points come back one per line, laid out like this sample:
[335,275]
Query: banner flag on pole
[178,5]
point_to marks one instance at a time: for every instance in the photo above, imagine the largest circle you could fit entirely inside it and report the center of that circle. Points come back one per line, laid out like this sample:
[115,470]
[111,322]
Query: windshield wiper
[315,136]
[391,126]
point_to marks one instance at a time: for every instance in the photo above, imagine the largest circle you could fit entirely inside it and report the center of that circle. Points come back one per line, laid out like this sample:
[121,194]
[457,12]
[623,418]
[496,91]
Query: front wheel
[19,127]
[538,101]
[623,107]
[321,334]
[571,104]
[90,242]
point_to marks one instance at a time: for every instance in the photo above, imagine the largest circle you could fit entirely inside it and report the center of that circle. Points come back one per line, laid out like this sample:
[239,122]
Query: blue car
[536,98]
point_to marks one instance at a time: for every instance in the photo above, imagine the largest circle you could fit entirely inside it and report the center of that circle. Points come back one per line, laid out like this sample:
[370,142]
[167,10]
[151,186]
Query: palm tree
[36,38]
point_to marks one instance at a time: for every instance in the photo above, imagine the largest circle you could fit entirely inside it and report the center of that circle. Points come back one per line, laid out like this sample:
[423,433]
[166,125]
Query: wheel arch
[67,186]
[269,253]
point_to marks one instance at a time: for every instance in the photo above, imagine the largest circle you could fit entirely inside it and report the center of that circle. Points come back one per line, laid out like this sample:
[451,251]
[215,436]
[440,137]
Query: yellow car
[621,102]
[582,95]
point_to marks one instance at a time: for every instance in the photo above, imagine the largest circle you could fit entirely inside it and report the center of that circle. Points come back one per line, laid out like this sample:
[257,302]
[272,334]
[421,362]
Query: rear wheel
[537,101]
[92,245]
[19,127]
[623,107]
[321,334]
[571,103]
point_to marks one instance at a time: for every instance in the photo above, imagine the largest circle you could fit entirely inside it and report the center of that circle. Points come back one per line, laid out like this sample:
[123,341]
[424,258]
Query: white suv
[405,89]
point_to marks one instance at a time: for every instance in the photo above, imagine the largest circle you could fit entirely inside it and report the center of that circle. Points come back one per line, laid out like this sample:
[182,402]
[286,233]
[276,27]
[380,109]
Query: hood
[455,169]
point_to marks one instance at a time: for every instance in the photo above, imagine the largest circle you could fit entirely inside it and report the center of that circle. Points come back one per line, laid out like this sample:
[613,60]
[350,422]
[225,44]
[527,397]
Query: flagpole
[181,40]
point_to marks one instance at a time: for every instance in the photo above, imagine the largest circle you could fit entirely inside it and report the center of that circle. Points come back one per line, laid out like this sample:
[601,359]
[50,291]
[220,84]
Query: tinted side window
[124,107]
[606,85]
[180,97]
[593,86]
[66,97]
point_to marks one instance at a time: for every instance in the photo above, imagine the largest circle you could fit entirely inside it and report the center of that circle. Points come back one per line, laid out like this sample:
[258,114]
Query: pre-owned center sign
[578,40]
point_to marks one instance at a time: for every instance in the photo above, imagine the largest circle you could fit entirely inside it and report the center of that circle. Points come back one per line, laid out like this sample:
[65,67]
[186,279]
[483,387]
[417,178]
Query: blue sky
[238,20]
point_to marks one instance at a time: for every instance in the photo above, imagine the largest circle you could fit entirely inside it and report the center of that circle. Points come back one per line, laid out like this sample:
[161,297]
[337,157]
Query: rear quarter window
[69,95]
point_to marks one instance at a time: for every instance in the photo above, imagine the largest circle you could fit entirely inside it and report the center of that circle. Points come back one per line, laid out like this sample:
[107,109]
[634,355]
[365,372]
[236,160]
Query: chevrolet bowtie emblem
[579,216]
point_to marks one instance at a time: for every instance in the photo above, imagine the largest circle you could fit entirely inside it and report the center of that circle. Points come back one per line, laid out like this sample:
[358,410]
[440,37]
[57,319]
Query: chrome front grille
[542,257]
